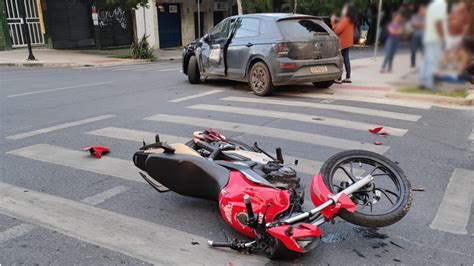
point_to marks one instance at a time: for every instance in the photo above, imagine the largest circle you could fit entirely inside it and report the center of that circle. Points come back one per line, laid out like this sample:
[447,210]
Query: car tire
[260,80]
[323,84]
[194,76]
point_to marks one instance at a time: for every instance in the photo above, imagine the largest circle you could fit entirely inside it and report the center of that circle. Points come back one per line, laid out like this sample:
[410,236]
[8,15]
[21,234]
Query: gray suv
[266,50]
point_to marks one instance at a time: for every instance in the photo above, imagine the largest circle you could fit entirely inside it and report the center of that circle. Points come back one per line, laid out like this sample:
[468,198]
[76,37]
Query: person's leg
[432,53]
[387,53]
[347,64]
[413,49]
[343,53]
[393,51]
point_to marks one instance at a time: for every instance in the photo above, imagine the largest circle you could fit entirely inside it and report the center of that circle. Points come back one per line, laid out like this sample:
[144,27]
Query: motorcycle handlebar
[248,205]
[219,244]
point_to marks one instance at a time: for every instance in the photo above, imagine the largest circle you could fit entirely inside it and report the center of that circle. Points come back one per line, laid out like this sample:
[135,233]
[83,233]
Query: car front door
[213,48]
[242,46]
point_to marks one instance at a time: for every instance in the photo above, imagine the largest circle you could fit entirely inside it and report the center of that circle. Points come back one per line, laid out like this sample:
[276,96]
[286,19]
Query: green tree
[257,6]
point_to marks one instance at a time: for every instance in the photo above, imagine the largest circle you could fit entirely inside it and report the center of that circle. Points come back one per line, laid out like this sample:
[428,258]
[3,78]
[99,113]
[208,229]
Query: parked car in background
[266,50]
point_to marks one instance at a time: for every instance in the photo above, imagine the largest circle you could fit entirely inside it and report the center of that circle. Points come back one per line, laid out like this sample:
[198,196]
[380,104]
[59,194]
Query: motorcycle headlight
[307,243]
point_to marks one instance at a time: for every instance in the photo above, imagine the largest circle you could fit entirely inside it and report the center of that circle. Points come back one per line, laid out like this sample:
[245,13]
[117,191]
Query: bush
[141,49]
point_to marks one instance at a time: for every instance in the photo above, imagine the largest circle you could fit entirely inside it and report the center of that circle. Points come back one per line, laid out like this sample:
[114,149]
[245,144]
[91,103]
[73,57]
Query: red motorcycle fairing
[233,208]
[295,237]
[320,194]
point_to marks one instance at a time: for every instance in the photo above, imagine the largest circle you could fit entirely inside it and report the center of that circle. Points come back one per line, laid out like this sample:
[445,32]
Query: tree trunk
[295,6]
[239,7]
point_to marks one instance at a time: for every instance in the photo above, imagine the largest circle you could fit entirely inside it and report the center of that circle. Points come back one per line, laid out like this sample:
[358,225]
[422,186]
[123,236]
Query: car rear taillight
[283,48]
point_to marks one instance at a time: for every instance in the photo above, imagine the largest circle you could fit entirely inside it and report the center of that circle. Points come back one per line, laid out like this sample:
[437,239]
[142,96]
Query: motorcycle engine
[281,175]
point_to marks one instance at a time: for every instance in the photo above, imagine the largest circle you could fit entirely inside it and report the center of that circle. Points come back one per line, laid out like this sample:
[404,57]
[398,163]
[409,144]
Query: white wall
[147,23]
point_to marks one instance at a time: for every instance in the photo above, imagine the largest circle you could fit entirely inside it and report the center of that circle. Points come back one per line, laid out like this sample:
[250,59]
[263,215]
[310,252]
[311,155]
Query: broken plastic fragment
[378,143]
[98,151]
[375,130]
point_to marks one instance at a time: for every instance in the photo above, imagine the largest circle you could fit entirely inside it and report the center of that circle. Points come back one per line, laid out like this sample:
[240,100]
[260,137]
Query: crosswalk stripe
[16,231]
[340,108]
[359,98]
[105,195]
[58,127]
[455,208]
[135,135]
[24,228]
[269,132]
[59,89]
[80,160]
[471,136]
[305,166]
[150,242]
[297,117]
[195,96]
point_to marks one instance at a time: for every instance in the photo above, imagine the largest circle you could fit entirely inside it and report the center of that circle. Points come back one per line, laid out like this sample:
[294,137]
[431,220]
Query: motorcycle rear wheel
[383,170]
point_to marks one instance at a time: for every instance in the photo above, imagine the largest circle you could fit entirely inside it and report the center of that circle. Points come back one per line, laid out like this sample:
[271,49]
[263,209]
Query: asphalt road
[58,206]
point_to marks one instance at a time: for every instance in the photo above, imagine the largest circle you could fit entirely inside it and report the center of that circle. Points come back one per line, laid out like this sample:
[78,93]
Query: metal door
[15,21]
[169,25]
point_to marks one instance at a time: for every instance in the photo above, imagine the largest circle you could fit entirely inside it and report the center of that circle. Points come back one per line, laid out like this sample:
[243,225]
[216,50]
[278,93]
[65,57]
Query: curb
[62,65]
[468,101]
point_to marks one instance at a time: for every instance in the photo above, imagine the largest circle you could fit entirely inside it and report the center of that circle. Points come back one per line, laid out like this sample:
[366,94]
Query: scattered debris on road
[98,151]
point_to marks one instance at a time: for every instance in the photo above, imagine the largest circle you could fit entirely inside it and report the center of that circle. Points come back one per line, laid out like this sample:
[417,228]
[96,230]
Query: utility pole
[25,30]
[239,7]
[295,6]
[377,34]
[199,18]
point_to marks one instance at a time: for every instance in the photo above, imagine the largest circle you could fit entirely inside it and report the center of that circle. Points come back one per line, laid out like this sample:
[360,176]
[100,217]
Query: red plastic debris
[98,151]
[378,143]
[375,130]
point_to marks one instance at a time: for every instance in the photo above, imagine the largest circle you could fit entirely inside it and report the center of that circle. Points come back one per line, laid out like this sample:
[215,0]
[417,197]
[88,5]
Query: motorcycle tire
[278,251]
[369,220]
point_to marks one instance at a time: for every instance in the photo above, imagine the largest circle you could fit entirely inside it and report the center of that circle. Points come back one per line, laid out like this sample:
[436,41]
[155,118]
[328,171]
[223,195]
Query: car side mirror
[206,38]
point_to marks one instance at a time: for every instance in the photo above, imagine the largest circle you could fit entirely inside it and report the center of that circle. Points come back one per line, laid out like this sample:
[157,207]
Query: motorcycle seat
[188,175]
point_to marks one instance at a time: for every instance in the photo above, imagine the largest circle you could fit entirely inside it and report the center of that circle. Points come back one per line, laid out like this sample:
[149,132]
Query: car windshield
[221,30]
[301,28]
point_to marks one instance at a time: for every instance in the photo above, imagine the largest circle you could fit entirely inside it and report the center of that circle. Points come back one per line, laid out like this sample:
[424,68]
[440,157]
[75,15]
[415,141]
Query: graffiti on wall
[110,17]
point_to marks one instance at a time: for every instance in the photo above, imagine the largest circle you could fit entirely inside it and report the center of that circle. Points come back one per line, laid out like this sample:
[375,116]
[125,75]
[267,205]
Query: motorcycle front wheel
[384,201]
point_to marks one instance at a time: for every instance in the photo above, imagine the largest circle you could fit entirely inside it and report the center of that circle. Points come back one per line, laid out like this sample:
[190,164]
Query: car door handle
[249,44]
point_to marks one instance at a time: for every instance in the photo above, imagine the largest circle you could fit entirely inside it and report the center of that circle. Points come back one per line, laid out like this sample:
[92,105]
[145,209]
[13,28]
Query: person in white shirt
[433,41]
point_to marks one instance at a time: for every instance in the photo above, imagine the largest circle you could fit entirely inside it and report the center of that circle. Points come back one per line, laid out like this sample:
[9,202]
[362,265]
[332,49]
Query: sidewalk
[46,57]
[368,82]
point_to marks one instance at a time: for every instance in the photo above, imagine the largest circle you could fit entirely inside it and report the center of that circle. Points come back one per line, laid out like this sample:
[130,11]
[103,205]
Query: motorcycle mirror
[144,143]
[296,162]
[279,155]
[157,138]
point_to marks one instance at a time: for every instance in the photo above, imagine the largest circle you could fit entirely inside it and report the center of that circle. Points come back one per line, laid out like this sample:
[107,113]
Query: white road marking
[16,231]
[80,160]
[142,67]
[270,132]
[150,242]
[471,136]
[455,209]
[105,195]
[15,79]
[182,99]
[305,166]
[298,117]
[25,228]
[58,127]
[59,89]
[359,97]
[340,108]
[169,69]
[161,68]
[135,135]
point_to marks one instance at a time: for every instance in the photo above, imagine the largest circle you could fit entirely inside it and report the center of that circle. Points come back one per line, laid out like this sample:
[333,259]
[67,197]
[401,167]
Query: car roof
[276,16]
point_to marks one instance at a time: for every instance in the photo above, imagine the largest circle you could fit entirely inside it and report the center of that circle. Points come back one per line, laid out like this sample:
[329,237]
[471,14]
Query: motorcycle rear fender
[290,236]
[320,193]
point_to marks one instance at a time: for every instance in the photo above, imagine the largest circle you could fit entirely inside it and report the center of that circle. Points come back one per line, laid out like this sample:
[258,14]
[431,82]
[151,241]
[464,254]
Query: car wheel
[260,80]
[323,84]
[194,76]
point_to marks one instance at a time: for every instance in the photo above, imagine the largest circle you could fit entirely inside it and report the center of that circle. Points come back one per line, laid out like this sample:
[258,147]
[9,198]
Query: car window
[221,30]
[249,27]
[298,28]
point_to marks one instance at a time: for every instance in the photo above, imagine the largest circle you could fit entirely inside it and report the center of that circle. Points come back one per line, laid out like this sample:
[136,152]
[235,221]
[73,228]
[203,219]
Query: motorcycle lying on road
[261,197]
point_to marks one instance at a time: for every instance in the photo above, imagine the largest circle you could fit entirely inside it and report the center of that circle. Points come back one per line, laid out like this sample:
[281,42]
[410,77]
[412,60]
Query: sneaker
[338,81]
[347,81]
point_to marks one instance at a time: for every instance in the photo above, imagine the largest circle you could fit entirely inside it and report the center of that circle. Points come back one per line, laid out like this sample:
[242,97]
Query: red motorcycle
[260,196]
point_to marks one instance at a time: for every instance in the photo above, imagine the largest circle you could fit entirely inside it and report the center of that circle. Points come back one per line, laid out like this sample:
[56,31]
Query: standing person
[417,22]
[345,31]
[434,37]
[394,31]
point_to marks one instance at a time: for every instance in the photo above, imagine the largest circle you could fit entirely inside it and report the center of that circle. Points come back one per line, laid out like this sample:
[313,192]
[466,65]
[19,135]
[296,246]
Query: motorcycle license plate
[318,69]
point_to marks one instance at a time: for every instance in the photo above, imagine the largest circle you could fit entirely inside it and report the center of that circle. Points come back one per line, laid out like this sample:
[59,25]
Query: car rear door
[242,46]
